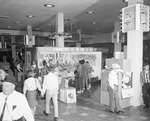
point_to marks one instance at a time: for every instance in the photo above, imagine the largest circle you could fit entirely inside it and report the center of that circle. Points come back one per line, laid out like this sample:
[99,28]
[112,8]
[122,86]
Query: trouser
[77,83]
[85,82]
[52,94]
[80,83]
[89,79]
[146,93]
[114,102]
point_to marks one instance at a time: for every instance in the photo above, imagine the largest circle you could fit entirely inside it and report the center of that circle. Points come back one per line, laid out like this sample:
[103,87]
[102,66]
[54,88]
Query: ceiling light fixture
[30,16]
[90,12]
[94,23]
[17,22]
[124,1]
[9,27]
[49,5]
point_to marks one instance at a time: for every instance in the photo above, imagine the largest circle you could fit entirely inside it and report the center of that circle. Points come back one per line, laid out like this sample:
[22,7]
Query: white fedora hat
[115,66]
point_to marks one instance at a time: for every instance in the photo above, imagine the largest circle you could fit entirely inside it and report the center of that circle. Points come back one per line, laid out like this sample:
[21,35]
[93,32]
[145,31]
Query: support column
[60,29]
[13,48]
[135,54]
[29,30]
[117,45]
[29,34]
[79,39]
[3,47]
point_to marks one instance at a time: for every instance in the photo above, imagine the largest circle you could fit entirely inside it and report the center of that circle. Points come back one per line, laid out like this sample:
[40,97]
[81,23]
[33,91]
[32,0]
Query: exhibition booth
[66,61]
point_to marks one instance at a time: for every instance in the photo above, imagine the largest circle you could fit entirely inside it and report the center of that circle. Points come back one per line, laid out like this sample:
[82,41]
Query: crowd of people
[45,83]
[83,76]
[17,106]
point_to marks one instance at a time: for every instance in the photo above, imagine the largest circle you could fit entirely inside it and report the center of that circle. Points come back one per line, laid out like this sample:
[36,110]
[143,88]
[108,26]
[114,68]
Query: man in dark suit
[145,81]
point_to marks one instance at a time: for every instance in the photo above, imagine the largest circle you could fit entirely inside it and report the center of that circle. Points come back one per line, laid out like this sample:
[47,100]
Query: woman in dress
[31,86]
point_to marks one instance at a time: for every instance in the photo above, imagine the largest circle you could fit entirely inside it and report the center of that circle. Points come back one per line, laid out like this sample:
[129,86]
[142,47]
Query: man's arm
[44,86]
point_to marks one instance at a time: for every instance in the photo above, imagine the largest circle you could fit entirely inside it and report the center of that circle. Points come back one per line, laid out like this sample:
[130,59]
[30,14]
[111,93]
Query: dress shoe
[112,112]
[55,118]
[45,113]
[120,112]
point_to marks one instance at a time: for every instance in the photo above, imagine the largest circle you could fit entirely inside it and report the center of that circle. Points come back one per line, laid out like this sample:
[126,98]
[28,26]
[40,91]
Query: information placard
[135,17]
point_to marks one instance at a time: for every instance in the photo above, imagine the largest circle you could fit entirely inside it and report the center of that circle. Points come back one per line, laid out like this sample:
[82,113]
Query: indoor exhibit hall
[76,60]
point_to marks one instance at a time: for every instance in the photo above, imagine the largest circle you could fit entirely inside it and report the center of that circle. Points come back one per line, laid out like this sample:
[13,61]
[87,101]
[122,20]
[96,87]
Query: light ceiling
[13,14]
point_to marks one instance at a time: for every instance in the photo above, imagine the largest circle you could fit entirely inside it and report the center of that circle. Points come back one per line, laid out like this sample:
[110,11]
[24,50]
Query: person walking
[50,88]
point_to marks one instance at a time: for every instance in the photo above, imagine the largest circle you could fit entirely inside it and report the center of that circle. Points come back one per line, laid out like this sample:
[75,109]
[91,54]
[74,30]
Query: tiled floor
[88,108]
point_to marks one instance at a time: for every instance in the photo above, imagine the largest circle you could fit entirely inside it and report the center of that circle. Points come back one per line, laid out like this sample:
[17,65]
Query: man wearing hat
[2,76]
[113,81]
[13,104]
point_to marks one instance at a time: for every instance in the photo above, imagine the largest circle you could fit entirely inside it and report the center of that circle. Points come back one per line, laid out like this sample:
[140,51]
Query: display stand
[124,94]
[68,95]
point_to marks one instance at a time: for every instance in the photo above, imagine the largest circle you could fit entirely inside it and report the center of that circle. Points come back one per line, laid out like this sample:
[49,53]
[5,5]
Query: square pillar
[135,54]
[60,29]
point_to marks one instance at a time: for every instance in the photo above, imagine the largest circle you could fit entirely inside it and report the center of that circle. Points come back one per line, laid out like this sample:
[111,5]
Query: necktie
[2,114]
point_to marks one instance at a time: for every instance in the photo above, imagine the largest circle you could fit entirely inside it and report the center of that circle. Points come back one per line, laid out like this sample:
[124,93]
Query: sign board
[118,37]
[135,17]
[30,40]
[127,87]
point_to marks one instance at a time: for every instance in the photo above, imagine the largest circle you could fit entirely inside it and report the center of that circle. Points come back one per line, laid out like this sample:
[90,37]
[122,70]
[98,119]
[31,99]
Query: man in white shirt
[113,81]
[13,104]
[50,87]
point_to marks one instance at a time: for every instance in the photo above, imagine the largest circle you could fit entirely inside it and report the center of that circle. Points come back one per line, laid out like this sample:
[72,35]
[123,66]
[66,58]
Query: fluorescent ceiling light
[90,12]
[94,23]
[49,5]
[30,16]
[17,22]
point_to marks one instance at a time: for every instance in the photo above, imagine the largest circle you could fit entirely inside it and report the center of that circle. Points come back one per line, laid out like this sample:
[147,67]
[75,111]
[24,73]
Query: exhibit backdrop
[69,58]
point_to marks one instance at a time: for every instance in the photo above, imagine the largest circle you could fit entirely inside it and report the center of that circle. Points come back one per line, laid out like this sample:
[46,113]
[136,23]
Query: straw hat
[115,66]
